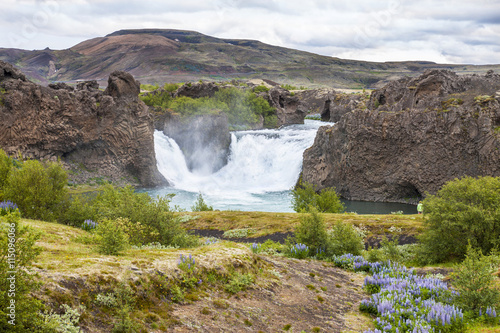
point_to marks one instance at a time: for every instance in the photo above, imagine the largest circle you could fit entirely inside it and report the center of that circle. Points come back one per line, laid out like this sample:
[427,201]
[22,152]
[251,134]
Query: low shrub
[145,220]
[19,312]
[312,231]
[38,189]
[305,196]
[201,206]
[238,282]
[464,210]
[473,279]
[344,238]
[111,237]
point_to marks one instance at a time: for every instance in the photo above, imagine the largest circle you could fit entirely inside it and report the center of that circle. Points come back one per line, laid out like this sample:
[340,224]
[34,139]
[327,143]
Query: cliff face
[108,132]
[415,135]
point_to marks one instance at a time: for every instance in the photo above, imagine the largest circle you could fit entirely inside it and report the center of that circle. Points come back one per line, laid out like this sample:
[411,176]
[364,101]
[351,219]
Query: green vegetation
[312,231]
[243,107]
[18,311]
[145,220]
[288,87]
[464,210]
[452,102]
[2,93]
[473,279]
[342,238]
[259,89]
[484,99]
[305,196]
[149,87]
[201,206]
[111,237]
[37,188]
[313,117]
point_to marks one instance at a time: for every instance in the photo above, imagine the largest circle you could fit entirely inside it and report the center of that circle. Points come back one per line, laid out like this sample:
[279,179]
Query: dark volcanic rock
[288,108]
[338,104]
[110,133]
[122,84]
[197,90]
[204,140]
[88,85]
[415,135]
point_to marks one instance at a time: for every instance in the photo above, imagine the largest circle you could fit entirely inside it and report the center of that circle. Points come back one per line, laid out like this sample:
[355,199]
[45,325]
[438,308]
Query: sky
[447,31]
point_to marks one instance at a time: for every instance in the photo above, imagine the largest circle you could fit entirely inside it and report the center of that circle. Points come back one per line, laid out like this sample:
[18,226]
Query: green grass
[264,223]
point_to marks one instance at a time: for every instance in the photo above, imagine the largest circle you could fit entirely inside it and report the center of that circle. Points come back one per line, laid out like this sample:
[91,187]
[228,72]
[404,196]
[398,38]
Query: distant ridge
[168,55]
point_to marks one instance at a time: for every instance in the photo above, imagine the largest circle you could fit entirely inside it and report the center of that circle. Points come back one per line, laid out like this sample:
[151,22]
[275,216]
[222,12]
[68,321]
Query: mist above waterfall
[262,164]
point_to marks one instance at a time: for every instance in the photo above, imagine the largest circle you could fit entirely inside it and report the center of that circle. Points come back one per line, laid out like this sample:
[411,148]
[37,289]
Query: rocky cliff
[415,135]
[108,132]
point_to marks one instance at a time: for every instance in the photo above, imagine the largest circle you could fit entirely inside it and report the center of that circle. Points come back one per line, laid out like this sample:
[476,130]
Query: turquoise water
[263,166]
[272,202]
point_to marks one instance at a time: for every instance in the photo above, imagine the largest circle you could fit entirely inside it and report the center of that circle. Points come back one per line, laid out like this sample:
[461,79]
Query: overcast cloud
[393,30]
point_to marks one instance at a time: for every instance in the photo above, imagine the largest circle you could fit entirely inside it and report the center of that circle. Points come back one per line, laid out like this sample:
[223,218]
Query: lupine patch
[7,207]
[89,225]
[299,251]
[404,301]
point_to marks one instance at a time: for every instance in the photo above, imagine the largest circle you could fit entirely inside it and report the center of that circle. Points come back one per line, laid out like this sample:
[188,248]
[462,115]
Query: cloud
[450,31]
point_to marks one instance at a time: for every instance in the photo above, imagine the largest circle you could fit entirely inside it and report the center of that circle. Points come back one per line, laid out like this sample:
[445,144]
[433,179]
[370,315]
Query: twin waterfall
[263,166]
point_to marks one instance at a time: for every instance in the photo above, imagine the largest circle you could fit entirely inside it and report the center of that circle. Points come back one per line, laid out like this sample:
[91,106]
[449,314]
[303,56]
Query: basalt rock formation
[197,90]
[415,135]
[204,140]
[108,132]
[338,104]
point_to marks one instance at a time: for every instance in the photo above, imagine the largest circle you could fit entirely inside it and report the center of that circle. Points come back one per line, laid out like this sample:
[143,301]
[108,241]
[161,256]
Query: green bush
[464,210]
[171,87]
[111,236]
[6,165]
[312,231]
[304,196]
[238,282]
[243,108]
[27,309]
[149,87]
[37,189]
[288,87]
[344,238]
[261,88]
[473,279]
[150,220]
[201,206]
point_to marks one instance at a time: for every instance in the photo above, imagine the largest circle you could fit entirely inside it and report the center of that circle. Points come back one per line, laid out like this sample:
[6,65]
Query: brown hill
[166,55]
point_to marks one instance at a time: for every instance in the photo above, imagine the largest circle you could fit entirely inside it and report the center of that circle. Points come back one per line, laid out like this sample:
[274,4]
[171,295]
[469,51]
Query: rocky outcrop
[289,110]
[108,132]
[204,140]
[338,104]
[197,90]
[415,135]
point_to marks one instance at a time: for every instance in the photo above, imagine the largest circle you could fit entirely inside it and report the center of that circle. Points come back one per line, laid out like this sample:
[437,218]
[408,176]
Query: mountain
[166,55]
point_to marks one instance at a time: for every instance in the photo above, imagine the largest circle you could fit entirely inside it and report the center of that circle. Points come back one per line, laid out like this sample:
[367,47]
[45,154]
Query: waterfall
[262,165]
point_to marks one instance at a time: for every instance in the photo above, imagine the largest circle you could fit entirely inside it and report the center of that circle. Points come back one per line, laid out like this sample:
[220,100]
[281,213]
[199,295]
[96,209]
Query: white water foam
[261,163]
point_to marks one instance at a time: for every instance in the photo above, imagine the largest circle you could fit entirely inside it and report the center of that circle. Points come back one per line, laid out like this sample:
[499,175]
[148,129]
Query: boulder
[197,90]
[289,110]
[122,84]
[109,133]
[415,135]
